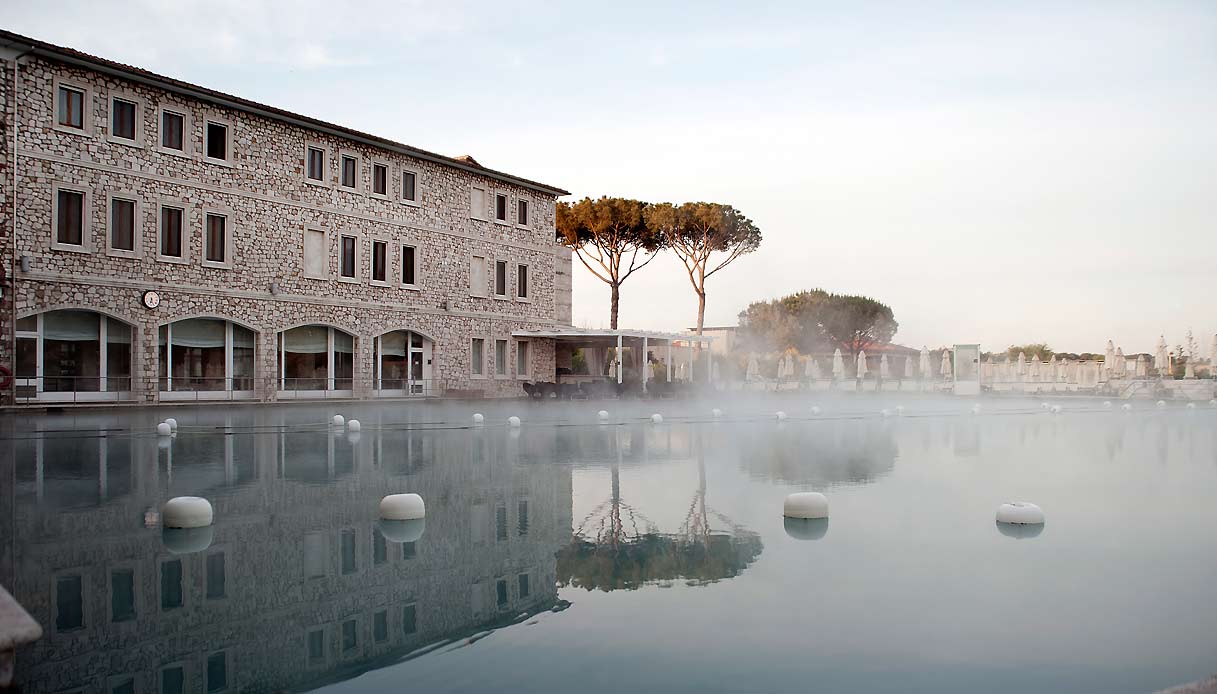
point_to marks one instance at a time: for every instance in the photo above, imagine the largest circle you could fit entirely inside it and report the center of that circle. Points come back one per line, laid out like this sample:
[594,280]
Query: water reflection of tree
[608,553]
[830,452]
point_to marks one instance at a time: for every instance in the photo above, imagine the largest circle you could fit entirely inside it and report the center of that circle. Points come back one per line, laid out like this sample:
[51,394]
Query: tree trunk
[701,311]
[613,305]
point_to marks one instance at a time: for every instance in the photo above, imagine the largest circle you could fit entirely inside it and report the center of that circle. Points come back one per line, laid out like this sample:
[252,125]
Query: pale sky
[996,172]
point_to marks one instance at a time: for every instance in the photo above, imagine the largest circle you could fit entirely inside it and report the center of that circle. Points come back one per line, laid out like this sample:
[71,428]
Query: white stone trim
[86,106]
[388,179]
[140,115]
[162,203]
[87,244]
[487,346]
[480,215]
[328,235]
[352,154]
[483,291]
[137,252]
[494,359]
[527,374]
[229,126]
[229,249]
[187,130]
[324,181]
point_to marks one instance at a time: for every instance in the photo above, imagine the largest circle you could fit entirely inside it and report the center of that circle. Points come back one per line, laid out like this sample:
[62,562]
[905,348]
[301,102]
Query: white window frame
[228,139]
[418,187]
[86,219]
[343,154]
[86,107]
[527,213]
[139,119]
[527,372]
[187,129]
[388,179]
[485,342]
[177,204]
[338,275]
[389,264]
[227,263]
[417,265]
[525,298]
[494,280]
[137,235]
[483,291]
[494,208]
[325,250]
[479,215]
[506,373]
[324,181]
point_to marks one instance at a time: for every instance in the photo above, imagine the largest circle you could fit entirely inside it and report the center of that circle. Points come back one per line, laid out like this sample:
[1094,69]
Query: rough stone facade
[269,204]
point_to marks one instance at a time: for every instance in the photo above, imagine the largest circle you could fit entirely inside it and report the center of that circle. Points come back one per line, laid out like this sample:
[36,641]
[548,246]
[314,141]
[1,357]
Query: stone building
[165,241]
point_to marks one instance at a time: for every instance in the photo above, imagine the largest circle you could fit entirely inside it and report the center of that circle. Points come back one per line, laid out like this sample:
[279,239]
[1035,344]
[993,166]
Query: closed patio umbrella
[885,371]
[838,364]
[861,369]
[944,369]
[924,365]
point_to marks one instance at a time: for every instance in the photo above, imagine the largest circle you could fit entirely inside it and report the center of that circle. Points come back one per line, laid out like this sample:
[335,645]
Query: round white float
[976,409]
[354,426]
[1213,402]
[402,507]
[163,429]
[1191,406]
[1107,404]
[164,442]
[187,540]
[353,437]
[478,418]
[780,415]
[172,423]
[716,413]
[806,528]
[805,505]
[602,415]
[1161,404]
[513,421]
[186,512]
[899,410]
[1020,512]
[1044,406]
[885,413]
[1127,407]
[1056,409]
[656,418]
[815,410]
[339,420]
[402,530]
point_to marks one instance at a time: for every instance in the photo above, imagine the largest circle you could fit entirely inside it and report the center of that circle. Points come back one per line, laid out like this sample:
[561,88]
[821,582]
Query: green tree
[853,322]
[695,231]
[817,320]
[611,238]
[1030,350]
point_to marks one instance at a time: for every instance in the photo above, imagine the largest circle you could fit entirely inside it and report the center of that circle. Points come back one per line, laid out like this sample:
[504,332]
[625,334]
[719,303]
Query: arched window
[73,355]
[205,355]
[314,360]
[403,364]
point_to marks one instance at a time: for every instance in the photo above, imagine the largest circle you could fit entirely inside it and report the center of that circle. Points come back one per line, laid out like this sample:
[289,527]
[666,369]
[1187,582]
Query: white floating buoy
[1107,404]
[513,421]
[885,413]
[899,410]
[339,420]
[780,415]
[402,507]
[656,418]
[976,409]
[805,505]
[172,423]
[716,413]
[1161,404]
[1056,409]
[602,415]
[1191,406]
[1127,407]
[1044,406]
[815,410]
[1213,402]
[478,418]
[163,429]
[1020,512]
[354,426]
[186,512]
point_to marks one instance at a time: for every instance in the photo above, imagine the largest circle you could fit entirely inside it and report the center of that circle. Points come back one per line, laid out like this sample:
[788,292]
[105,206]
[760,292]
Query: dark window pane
[500,207]
[378,547]
[349,637]
[316,645]
[408,550]
[122,595]
[27,357]
[348,551]
[122,225]
[123,119]
[348,256]
[173,681]
[70,225]
[126,686]
[69,603]
[408,180]
[407,264]
[71,107]
[217,672]
[522,281]
[500,522]
[523,585]
[500,277]
[316,163]
[217,578]
[408,620]
[379,250]
[380,179]
[522,212]
[522,518]
[380,626]
[172,127]
[348,172]
[217,141]
[171,584]
[171,232]
[500,591]
[215,238]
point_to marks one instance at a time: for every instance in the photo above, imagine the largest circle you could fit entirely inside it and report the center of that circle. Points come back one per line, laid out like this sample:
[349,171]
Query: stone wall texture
[269,204]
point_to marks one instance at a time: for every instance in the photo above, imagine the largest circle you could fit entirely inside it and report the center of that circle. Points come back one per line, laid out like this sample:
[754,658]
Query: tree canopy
[817,320]
[1029,350]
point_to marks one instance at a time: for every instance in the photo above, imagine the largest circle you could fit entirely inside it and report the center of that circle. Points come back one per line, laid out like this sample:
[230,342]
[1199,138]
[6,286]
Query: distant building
[724,337]
[165,241]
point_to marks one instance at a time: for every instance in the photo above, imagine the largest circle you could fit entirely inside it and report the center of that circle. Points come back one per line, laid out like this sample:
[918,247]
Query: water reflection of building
[298,587]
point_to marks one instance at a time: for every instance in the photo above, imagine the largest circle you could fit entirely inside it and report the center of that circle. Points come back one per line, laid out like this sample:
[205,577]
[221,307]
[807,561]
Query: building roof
[71,56]
[607,337]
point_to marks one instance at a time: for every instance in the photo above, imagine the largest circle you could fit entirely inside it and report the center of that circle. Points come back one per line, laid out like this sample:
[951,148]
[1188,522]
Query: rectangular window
[171,231]
[380,179]
[316,262]
[69,603]
[500,278]
[217,672]
[409,620]
[523,581]
[379,550]
[348,256]
[522,518]
[122,595]
[171,584]
[316,164]
[500,207]
[408,550]
[173,130]
[347,546]
[500,357]
[380,626]
[122,119]
[477,276]
[500,592]
[173,680]
[522,281]
[380,261]
[217,577]
[216,145]
[409,183]
[350,635]
[522,358]
[69,227]
[215,241]
[71,107]
[500,523]
[122,224]
[316,645]
[125,686]
[477,203]
[477,357]
[349,171]
[522,212]
[409,271]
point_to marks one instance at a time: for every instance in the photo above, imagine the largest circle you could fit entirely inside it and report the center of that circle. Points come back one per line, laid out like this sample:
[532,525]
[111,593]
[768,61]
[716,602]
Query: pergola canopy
[593,337]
